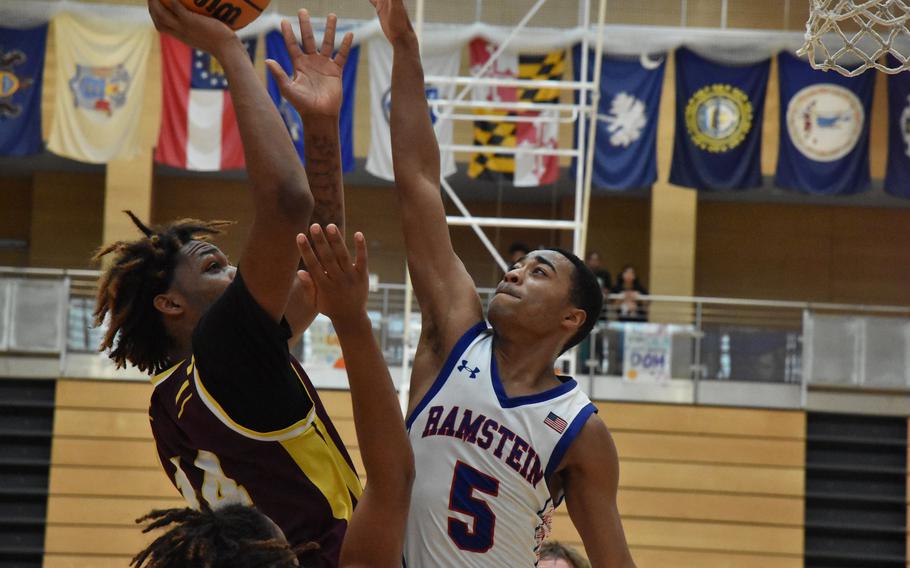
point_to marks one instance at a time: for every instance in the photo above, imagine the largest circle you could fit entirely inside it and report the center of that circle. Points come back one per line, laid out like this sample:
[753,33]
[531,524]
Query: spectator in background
[555,555]
[603,275]
[517,251]
[630,307]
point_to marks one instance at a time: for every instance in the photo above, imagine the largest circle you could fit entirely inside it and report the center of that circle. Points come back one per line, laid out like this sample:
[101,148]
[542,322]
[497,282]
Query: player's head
[235,536]
[517,250]
[158,286]
[553,554]
[546,292]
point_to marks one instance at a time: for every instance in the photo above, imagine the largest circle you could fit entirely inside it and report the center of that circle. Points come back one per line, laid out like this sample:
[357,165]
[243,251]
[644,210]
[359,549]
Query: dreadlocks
[141,270]
[234,536]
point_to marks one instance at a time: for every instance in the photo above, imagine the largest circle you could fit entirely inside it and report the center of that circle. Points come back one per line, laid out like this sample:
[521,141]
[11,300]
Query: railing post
[807,359]
[64,316]
[696,357]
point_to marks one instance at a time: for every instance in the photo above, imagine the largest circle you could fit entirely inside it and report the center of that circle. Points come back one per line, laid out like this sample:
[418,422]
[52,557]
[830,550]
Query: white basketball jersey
[483,461]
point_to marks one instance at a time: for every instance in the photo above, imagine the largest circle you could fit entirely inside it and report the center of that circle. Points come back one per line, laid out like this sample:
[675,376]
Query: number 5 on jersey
[479,536]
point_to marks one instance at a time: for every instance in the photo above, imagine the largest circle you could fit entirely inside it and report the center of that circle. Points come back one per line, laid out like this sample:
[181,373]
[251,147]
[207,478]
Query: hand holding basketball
[315,88]
[195,30]
[342,287]
[393,17]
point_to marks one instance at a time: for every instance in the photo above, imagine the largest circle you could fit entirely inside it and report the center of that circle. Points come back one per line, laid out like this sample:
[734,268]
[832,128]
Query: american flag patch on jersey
[555,422]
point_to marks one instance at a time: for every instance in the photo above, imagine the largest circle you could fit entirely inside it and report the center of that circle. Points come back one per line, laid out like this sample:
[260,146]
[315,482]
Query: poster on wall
[646,353]
[321,345]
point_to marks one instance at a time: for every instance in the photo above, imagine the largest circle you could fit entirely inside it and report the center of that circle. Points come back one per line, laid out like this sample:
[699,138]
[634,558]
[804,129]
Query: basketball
[234,13]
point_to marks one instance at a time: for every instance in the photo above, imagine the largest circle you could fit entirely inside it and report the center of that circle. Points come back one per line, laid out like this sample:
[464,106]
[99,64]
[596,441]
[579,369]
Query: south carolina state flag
[198,125]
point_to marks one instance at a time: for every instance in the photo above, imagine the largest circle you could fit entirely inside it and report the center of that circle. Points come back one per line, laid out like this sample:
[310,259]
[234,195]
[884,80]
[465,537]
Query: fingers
[281,78]
[360,250]
[342,56]
[326,255]
[315,271]
[306,32]
[328,38]
[336,242]
[162,16]
[290,42]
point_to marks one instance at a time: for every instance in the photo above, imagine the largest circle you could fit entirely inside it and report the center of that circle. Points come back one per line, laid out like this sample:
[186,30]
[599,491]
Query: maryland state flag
[524,170]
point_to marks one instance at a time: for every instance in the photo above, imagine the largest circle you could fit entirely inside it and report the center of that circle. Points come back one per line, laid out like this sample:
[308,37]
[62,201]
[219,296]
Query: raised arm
[445,291]
[315,91]
[590,477]
[375,534]
[281,196]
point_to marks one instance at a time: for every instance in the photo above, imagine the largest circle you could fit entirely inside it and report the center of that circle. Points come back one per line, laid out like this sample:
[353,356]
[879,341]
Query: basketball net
[851,36]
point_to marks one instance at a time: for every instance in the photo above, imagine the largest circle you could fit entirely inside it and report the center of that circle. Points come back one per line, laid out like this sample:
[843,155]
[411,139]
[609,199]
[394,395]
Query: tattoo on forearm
[323,170]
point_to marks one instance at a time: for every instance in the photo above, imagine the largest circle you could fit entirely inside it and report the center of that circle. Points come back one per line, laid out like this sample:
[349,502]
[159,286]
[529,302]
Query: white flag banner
[379,159]
[101,72]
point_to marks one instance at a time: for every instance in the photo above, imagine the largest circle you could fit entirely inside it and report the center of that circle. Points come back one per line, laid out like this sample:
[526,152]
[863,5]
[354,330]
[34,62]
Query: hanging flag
[101,70]
[824,146]
[625,147]
[379,158]
[719,110]
[198,126]
[897,175]
[542,131]
[21,69]
[275,49]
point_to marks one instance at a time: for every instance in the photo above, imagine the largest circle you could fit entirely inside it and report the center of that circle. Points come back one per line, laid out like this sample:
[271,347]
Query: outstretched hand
[315,88]
[197,31]
[393,17]
[342,286]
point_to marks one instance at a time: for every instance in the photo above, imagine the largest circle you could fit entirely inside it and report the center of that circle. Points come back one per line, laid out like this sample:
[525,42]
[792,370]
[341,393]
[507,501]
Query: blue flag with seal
[897,175]
[21,70]
[824,129]
[625,147]
[275,49]
[719,111]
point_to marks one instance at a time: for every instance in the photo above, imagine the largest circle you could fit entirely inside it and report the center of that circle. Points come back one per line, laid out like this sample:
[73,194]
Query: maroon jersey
[240,422]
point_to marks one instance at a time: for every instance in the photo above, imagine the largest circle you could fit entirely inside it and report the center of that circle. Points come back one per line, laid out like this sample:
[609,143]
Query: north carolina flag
[198,125]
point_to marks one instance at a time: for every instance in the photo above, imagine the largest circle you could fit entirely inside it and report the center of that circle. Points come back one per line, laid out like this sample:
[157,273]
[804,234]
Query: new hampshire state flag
[275,49]
[101,72]
[21,69]
[897,175]
[719,110]
[824,146]
[625,147]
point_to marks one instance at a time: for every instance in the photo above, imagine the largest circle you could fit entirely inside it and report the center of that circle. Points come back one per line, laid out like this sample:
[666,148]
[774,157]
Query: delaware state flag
[719,110]
[21,70]
[625,147]
[897,176]
[275,49]
[198,126]
[824,126]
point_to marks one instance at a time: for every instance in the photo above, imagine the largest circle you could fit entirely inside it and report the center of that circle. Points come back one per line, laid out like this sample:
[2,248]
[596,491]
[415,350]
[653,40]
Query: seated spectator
[630,307]
[603,275]
[555,555]
[517,251]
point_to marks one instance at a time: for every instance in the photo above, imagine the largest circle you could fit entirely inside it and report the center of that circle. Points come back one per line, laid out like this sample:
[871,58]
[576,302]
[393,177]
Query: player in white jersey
[498,439]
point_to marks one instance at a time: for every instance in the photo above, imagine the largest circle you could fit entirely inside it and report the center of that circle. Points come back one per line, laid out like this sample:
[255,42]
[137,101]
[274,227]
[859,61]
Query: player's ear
[168,304]
[574,318]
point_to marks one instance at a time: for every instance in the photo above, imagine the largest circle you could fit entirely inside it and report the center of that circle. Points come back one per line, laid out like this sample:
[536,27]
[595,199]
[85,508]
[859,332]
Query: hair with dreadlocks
[234,536]
[141,270]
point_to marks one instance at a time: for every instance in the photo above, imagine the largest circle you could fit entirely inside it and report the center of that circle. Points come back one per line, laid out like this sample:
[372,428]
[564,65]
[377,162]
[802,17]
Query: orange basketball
[234,13]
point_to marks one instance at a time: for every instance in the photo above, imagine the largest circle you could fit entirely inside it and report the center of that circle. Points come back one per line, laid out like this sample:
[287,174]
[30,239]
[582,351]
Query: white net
[851,36]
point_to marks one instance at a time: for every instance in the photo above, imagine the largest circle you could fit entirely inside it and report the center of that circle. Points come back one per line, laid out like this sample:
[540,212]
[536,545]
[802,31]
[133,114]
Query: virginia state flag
[625,147]
[719,111]
[21,70]
[824,126]
[275,49]
[198,126]
[101,70]
[897,176]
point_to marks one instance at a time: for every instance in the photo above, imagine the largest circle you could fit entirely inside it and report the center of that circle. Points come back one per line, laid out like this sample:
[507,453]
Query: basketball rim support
[569,113]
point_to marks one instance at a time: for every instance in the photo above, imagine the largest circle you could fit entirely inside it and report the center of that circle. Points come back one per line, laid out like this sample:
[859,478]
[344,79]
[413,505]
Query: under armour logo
[464,367]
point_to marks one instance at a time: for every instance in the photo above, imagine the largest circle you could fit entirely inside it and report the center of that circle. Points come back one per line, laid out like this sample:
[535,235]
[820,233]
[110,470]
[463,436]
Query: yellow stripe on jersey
[164,375]
[350,476]
[183,387]
[291,431]
[182,406]
[314,456]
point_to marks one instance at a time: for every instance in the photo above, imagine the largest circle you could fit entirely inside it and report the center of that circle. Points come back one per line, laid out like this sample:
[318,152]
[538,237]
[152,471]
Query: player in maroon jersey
[240,536]
[235,418]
